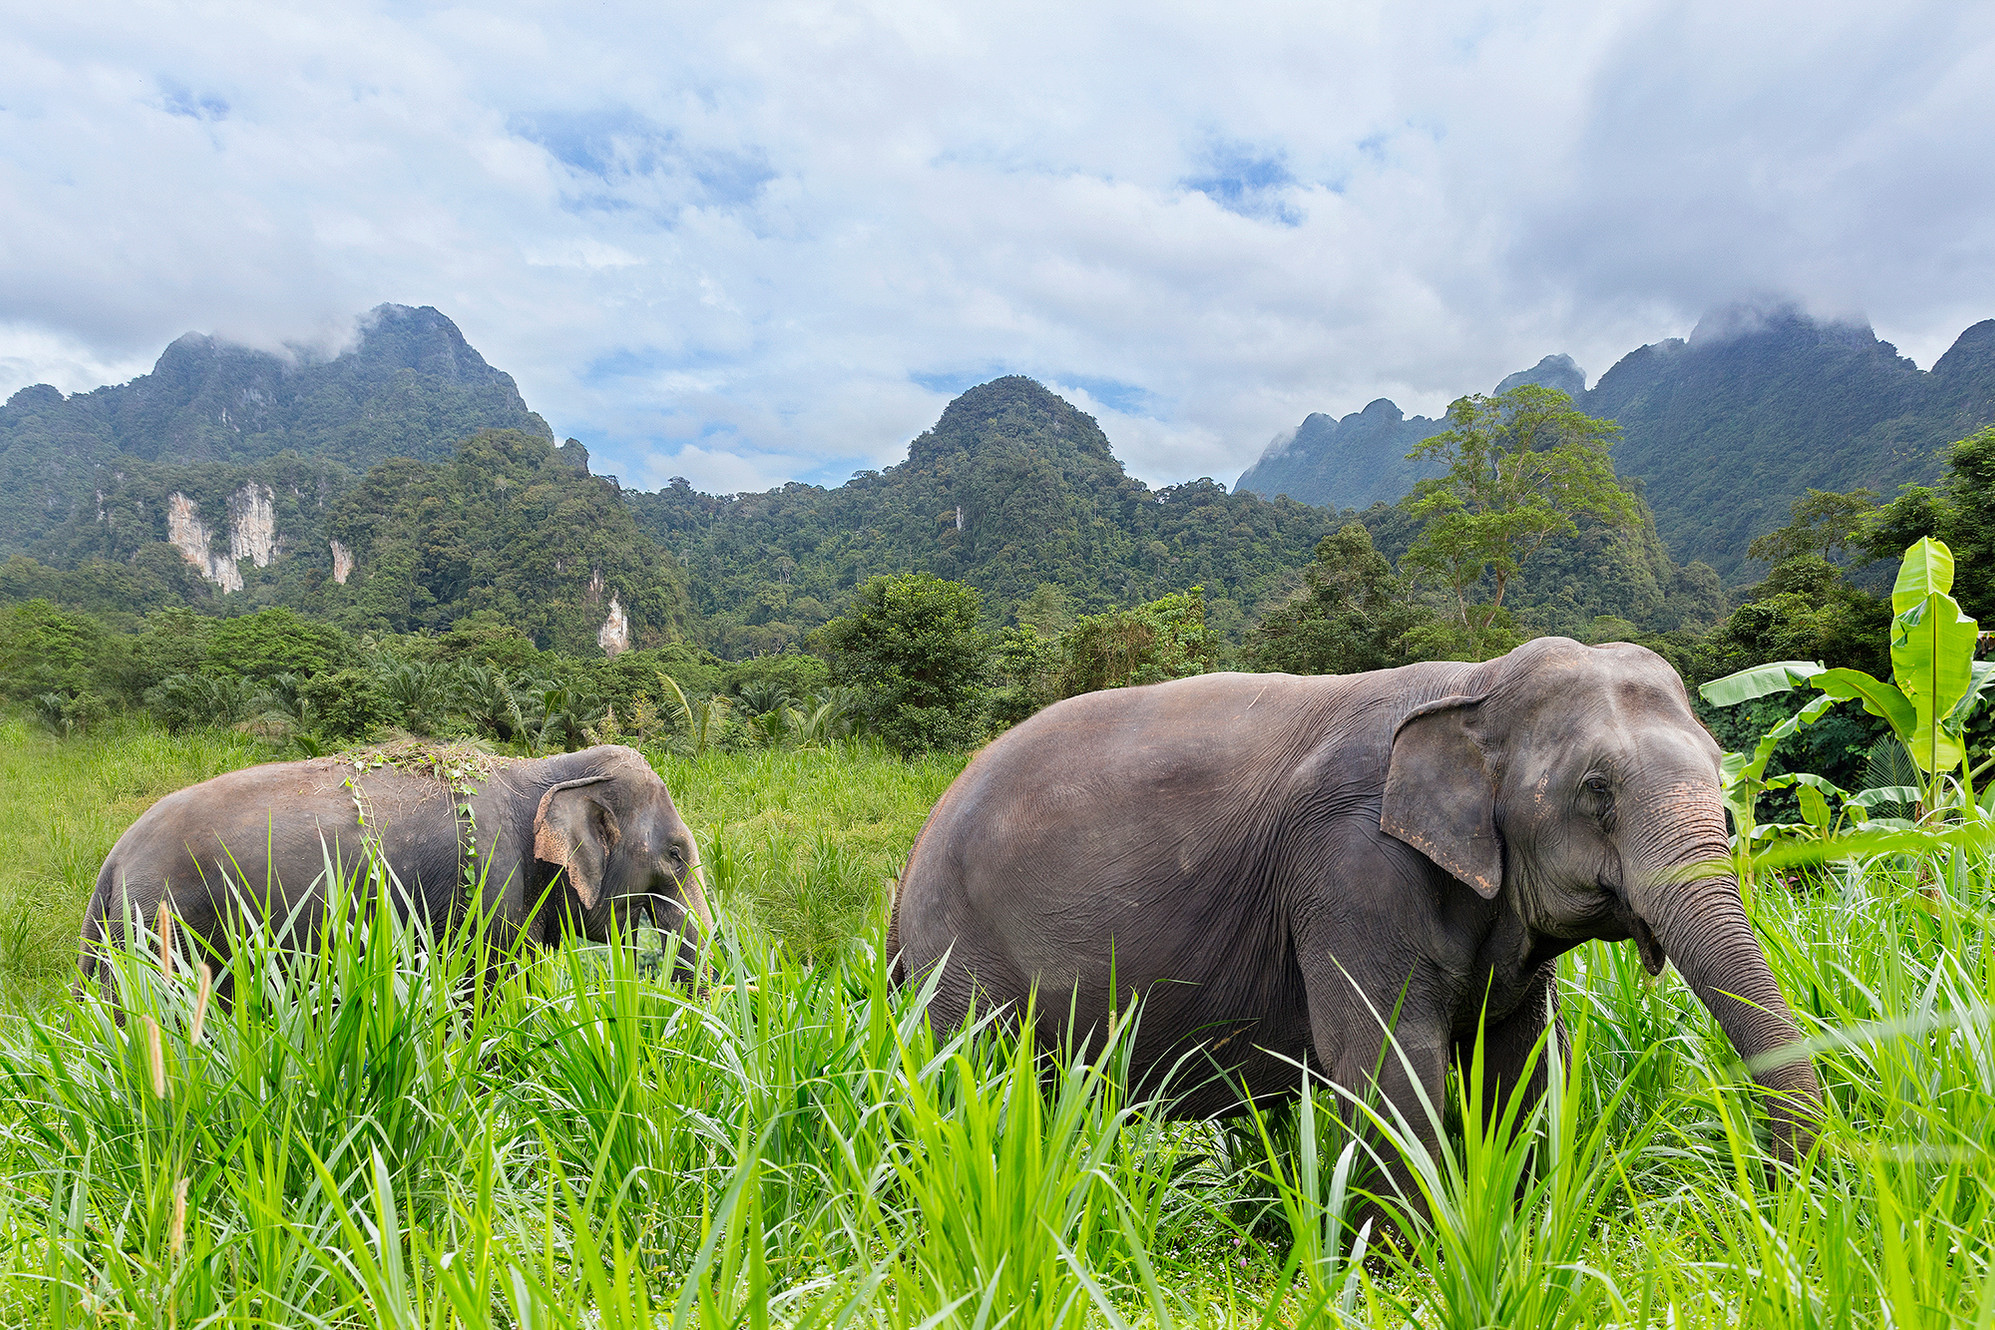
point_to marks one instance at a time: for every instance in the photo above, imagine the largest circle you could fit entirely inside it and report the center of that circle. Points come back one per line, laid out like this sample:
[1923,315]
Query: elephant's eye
[678,857]
[1600,787]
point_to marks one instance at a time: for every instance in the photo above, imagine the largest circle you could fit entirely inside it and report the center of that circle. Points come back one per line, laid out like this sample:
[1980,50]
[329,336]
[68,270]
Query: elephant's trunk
[1701,926]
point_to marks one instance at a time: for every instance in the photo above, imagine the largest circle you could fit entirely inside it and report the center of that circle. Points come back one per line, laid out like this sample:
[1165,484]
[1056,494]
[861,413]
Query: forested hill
[1017,493]
[351,493]
[410,386]
[1362,459]
[1011,489]
[510,529]
[1724,430]
[1729,428]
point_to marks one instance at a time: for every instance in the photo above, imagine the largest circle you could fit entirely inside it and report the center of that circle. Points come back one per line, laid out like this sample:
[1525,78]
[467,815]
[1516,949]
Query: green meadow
[382,1134]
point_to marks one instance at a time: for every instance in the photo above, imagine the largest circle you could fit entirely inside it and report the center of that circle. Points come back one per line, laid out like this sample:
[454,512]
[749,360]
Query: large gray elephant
[1280,864]
[256,842]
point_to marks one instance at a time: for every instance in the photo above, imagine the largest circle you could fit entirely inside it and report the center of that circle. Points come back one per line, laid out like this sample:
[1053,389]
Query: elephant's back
[1108,804]
[280,819]
[223,808]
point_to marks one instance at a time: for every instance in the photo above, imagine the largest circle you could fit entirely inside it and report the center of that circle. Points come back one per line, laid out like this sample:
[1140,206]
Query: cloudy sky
[755,242]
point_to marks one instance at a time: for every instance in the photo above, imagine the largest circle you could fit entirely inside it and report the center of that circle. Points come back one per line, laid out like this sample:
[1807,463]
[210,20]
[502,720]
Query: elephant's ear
[1440,794]
[575,831]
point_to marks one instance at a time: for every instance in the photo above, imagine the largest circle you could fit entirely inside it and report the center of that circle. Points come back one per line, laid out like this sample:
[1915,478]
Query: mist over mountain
[1723,431]
[409,386]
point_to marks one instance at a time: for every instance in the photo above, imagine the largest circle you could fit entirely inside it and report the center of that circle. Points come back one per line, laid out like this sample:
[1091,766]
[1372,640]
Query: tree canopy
[915,644]
[1356,614]
[1521,467]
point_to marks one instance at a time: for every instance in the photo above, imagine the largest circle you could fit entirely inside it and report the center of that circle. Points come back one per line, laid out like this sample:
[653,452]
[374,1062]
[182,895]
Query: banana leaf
[1759,681]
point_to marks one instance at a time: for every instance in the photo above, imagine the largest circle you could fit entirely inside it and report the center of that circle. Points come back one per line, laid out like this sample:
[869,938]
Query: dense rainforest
[403,497]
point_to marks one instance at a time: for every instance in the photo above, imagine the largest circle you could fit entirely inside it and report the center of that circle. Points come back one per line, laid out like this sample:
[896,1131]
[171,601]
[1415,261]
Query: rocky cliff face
[251,531]
[614,636]
[186,532]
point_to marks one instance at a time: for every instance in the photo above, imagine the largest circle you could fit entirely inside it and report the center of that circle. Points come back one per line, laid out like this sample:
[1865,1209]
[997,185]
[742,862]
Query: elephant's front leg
[1508,1045]
[1385,1042]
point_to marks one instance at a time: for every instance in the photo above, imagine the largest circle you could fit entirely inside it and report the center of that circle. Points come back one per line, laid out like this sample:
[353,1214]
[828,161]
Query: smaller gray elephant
[256,842]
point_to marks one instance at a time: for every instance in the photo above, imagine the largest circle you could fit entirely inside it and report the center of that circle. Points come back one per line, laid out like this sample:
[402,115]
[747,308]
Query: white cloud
[768,240]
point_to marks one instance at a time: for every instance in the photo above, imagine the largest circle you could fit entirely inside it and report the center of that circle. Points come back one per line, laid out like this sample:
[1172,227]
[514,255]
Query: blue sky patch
[1130,399]
[1246,181]
[178,99]
[616,145]
[956,381]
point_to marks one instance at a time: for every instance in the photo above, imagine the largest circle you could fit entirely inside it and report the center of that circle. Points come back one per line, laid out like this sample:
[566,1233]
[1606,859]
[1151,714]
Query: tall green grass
[388,1131]
[63,804]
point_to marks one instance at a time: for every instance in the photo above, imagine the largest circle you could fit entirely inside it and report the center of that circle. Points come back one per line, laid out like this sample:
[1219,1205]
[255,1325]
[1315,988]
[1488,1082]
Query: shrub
[44,649]
[183,701]
[1165,639]
[914,644]
[346,702]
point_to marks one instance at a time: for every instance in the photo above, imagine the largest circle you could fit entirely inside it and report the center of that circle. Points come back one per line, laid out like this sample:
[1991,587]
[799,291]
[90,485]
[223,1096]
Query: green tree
[175,641]
[1355,615]
[914,644]
[1959,511]
[346,704]
[272,642]
[1165,639]
[1522,466]
[1822,523]
[1047,610]
[1804,610]
[46,649]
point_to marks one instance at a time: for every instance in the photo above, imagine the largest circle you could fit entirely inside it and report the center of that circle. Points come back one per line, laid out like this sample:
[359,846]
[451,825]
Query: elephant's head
[1575,784]
[623,852]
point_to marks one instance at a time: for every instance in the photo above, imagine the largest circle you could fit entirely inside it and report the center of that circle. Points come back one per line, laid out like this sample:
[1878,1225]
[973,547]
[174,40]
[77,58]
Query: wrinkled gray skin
[1278,863]
[256,841]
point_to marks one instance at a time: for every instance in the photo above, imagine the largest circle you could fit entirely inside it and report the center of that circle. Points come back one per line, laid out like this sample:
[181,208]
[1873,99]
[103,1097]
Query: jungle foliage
[1164,639]
[301,686]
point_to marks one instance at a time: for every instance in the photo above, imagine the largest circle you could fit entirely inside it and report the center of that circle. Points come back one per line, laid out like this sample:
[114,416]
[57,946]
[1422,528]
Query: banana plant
[1936,685]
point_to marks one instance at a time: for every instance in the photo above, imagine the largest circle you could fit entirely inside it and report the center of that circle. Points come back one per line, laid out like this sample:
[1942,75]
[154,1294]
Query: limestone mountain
[1361,459]
[1552,372]
[1722,431]
[409,386]
[1353,462]
[1014,489]
[1730,427]
[509,527]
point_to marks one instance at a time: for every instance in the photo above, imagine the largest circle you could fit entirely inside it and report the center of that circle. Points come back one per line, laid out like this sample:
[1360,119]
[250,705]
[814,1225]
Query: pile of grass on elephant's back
[801,843]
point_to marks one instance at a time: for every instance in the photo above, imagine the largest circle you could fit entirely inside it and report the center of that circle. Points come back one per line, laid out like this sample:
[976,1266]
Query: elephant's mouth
[1650,950]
